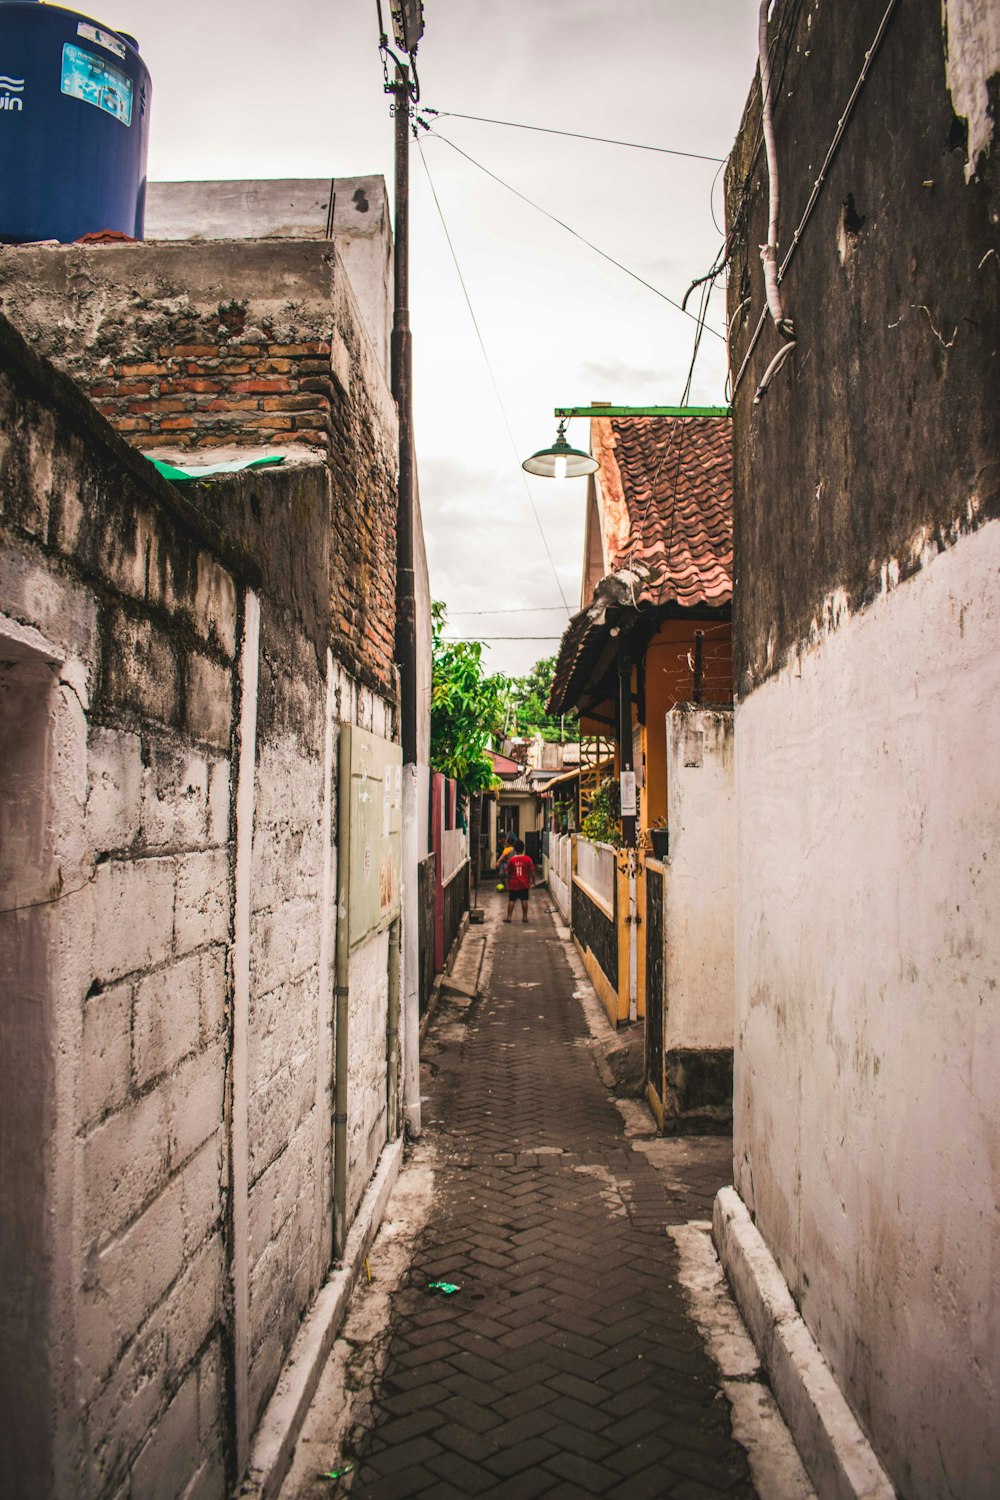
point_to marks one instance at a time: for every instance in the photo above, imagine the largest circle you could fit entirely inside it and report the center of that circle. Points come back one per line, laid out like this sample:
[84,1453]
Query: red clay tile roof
[668,493]
[667,488]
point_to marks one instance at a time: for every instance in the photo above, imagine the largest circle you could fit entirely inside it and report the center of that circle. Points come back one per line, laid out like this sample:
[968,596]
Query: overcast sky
[294,89]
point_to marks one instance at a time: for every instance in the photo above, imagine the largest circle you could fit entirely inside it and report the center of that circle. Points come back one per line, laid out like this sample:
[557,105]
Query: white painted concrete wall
[699,984]
[560,872]
[868,1051]
[596,870]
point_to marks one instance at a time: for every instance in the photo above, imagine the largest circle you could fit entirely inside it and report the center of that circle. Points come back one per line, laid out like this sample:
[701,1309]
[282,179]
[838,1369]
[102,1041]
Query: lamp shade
[560,461]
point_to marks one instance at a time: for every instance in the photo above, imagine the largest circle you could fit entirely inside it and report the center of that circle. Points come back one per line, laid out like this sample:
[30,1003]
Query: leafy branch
[468,706]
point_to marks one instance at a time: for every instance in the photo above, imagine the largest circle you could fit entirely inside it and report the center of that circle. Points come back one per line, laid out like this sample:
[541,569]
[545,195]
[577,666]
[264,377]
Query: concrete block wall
[106,586]
[179,1235]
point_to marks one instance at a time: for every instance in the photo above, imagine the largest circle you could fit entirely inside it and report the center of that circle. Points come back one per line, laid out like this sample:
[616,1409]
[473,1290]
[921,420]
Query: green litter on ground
[335,1473]
[445,1287]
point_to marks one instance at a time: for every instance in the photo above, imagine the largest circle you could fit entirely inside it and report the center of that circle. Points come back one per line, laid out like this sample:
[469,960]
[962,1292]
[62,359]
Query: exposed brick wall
[207,389]
[191,347]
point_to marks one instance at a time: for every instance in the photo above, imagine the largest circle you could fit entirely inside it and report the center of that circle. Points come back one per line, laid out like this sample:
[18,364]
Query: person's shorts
[518,895]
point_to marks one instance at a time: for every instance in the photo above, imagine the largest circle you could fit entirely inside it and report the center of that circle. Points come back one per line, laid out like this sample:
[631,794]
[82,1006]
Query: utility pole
[402,390]
[408,26]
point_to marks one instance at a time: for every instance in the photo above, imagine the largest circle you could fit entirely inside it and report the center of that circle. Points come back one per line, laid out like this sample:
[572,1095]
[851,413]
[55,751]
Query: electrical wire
[73,890]
[517,609]
[568,227]
[818,184]
[450,114]
[493,379]
[484,640]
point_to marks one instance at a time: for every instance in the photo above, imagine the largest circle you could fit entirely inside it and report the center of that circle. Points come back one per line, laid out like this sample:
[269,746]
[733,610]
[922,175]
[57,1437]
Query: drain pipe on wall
[392,1033]
[342,992]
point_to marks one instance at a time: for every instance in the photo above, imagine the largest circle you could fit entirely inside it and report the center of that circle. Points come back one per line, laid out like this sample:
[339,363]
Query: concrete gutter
[836,1453]
[279,1429]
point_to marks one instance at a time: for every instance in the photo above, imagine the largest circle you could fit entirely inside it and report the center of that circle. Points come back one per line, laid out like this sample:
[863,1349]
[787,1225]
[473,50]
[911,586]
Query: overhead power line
[493,379]
[574,135]
[516,609]
[485,640]
[569,230]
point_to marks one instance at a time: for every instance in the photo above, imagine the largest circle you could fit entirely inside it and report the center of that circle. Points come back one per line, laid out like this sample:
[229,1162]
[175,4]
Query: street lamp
[560,461]
[563,462]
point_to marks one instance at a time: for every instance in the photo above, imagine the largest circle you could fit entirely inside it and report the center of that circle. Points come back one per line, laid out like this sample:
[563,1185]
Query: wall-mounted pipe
[342,991]
[769,252]
[392,1032]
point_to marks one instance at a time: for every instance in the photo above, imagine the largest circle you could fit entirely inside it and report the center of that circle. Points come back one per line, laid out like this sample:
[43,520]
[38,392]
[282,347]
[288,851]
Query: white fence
[454,852]
[595,870]
[561,871]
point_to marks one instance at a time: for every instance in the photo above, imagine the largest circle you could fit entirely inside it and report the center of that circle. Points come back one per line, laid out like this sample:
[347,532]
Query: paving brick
[470,1445]
[582,1472]
[568,1364]
[527,1455]
[468,1478]
[397,1457]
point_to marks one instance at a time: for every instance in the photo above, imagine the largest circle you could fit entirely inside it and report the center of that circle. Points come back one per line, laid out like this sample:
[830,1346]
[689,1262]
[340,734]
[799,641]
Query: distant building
[654,633]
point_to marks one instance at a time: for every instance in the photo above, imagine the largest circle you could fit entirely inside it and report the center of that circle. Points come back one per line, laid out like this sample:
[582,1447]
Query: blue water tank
[74,123]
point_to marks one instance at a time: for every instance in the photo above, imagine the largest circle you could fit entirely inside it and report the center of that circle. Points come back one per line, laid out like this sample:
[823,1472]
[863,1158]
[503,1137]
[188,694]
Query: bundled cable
[769,252]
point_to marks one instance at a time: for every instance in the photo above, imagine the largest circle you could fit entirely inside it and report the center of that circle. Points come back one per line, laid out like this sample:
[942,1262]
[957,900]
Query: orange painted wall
[669,680]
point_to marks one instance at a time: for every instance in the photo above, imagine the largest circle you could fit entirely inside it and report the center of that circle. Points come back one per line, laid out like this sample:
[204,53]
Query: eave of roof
[668,497]
[666,486]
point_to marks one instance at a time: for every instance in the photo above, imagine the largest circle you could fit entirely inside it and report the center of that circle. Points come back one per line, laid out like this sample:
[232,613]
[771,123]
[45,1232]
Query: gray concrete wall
[867,528]
[123,604]
[353,211]
[169,666]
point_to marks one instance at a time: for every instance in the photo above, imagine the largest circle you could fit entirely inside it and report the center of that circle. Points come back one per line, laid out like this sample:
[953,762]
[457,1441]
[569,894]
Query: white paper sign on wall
[628,794]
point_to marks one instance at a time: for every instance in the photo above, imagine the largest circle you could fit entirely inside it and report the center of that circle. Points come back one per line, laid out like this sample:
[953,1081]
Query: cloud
[615,374]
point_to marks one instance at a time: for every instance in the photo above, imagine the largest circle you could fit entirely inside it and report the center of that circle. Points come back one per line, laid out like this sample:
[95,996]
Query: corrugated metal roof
[517,784]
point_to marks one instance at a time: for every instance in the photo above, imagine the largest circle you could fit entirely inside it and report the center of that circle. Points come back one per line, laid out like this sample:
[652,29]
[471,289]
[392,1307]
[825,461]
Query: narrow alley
[567,1362]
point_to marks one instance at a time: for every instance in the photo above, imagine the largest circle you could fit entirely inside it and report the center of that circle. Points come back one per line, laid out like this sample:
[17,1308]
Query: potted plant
[659,838]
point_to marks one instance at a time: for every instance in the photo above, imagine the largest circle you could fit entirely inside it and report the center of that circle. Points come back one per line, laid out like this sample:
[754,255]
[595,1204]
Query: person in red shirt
[520,872]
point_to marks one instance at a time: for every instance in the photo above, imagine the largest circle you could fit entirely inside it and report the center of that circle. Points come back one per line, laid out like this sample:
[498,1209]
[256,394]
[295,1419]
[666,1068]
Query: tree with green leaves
[468,706]
[529,697]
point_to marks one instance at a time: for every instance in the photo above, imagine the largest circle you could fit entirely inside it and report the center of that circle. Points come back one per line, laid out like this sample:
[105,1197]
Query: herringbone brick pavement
[566,1365]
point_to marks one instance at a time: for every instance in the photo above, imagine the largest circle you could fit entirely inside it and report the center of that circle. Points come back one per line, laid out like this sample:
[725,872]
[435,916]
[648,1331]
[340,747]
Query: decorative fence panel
[596,931]
[456,904]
